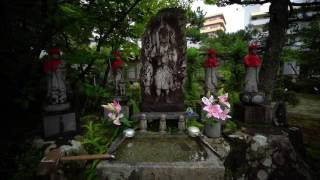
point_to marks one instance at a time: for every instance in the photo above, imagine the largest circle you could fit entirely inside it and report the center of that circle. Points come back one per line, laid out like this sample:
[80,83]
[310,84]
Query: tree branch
[305,19]
[101,39]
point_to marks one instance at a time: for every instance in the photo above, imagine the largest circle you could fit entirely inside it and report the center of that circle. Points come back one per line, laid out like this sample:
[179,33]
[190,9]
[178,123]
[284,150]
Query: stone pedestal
[55,124]
[254,114]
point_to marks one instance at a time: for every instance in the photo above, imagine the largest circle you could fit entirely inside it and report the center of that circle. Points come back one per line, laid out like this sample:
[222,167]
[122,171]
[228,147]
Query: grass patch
[306,115]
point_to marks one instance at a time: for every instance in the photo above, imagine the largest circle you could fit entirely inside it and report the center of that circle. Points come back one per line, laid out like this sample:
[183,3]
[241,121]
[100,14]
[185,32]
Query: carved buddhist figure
[163,77]
[252,63]
[211,64]
[163,56]
[54,67]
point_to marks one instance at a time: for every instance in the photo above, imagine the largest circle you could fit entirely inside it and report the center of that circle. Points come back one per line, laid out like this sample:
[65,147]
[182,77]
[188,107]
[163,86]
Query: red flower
[51,65]
[211,62]
[211,51]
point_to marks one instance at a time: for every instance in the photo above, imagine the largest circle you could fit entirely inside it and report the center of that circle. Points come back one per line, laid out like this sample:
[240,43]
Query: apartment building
[213,23]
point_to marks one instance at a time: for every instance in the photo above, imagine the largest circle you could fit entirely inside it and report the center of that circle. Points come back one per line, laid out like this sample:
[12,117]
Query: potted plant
[217,111]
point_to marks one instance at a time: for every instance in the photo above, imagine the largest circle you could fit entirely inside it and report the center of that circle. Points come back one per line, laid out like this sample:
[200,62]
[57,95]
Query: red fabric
[116,53]
[251,60]
[51,65]
[54,51]
[116,64]
[211,62]
[211,51]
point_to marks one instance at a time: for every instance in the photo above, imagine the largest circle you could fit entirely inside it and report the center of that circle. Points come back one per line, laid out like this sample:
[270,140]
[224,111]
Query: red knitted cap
[54,51]
[211,51]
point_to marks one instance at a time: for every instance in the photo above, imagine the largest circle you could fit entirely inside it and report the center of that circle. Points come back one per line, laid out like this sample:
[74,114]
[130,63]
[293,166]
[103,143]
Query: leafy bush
[194,122]
[286,96]
[229,127]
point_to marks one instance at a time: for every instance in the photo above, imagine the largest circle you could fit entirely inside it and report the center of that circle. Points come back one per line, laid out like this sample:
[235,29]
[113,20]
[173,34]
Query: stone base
[59,123]
[161,107]
[210,168]
[254,114]
[164,171]
[150,116]
[57,107]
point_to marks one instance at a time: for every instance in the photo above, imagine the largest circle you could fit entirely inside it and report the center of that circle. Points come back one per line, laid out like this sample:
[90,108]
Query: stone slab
[210,169]
[161,107]
[254,114]
[169,115]
[59,123]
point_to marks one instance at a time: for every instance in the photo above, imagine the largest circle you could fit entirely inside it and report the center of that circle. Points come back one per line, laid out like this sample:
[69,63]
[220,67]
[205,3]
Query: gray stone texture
[163,56]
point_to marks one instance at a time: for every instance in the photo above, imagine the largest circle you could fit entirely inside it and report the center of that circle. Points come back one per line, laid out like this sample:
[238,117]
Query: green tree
[280,11]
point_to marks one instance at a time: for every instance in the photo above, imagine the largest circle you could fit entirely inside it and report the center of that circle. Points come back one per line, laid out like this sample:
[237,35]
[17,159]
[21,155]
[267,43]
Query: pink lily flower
[116,106]
[223,99]
[213,111]
[208,101]
[224,114]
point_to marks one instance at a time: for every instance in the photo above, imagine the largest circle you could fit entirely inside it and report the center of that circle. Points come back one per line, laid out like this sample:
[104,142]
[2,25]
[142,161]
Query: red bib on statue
[251,60]
[211,62]
[116,64]
[51,65]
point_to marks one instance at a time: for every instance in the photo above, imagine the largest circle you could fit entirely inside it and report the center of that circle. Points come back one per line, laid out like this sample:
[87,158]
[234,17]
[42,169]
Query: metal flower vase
[213,130]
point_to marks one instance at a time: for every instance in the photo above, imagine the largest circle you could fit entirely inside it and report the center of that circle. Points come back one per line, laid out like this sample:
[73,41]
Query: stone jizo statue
[54,67]
[252,63]
[211,64]
[118,78]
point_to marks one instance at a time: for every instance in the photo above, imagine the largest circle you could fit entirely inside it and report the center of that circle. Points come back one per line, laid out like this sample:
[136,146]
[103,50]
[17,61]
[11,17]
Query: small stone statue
[181,123]
[163,124]
[54,67]
[252,63]
[143,123]
[211,65]
[117,66]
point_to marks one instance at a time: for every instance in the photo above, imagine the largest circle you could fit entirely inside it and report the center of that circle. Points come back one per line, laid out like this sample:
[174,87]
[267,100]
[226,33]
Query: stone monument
[58,119]
[163,57]
[211,64]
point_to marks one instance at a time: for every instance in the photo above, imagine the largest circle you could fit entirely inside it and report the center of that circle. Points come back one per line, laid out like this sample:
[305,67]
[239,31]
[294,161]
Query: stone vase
[212,130]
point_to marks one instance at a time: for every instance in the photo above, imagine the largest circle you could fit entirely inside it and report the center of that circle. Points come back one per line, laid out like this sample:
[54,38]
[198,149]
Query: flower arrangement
[217,109]
[114,112]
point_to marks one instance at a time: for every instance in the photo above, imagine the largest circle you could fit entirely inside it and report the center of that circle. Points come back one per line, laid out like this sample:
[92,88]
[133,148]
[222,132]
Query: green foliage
[195,21]
[289,54]
[194,122]
[192,87]
[231,49]
[28,162]
[134,91]
[94,90]
[280,94]
[98,135]
[229,127]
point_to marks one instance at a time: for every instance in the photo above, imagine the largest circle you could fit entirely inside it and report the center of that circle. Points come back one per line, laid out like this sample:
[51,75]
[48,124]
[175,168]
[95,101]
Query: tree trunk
[277,30]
